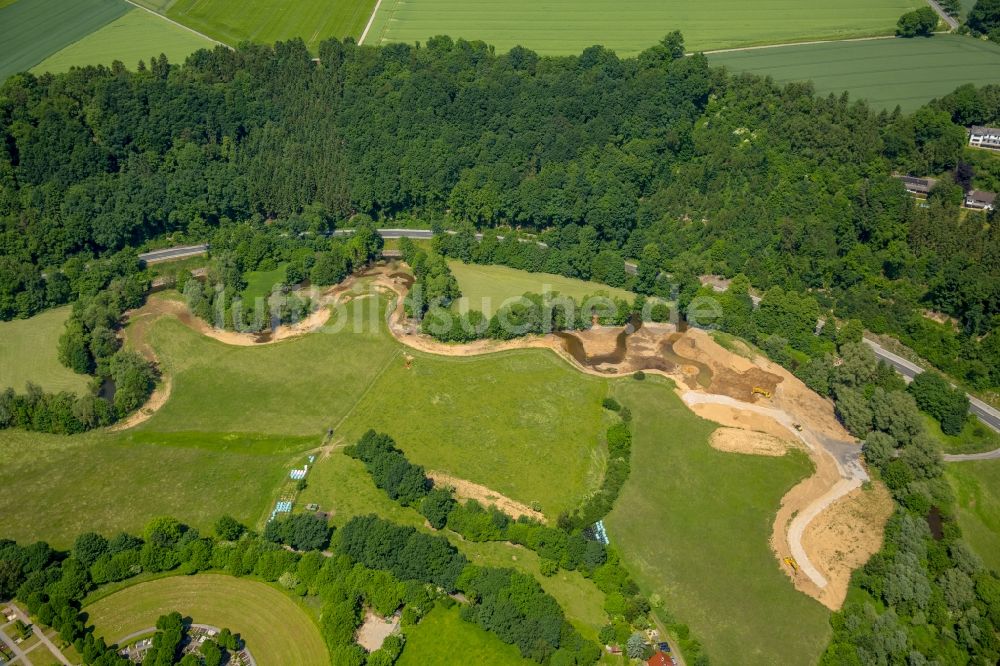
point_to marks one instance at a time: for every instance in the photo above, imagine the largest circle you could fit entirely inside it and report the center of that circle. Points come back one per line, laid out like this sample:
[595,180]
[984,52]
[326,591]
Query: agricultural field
[485,288]
[57,487]
[565,28]
[275,628]
[29,353]
[977,488]
[443,627]
[886,73]
[266,21]
[694,525]
[138,35]
[32,30]
[524,423]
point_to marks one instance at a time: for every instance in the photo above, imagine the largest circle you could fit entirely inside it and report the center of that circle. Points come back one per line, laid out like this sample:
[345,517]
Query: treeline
[925,596]
[570,546]
[303,243]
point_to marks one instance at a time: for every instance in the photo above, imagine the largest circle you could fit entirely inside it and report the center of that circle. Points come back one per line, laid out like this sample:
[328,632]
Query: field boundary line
[368,26]
[809,43]
[179,25]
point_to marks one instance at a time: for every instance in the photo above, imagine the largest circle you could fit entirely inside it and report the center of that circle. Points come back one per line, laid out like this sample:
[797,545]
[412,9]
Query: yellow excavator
[792,564]
[757,390]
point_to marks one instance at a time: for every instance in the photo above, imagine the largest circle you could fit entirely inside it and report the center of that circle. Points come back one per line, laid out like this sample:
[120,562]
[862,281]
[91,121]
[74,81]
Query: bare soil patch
[374,630]
[734,417]
[845,535]
[736,440]
[466,490]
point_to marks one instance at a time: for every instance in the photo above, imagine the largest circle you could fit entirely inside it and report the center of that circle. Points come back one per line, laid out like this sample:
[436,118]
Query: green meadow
[694,525]
[485,288]
[562,27]
[977,488]
[28,352]
[138,35]
[885,72]
[427,643]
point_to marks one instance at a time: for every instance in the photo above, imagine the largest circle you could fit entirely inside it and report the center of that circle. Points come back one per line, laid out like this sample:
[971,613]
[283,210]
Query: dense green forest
[658,158]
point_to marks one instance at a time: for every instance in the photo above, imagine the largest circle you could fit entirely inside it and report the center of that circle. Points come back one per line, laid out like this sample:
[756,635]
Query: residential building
[920,187]
[984,137]
[980,200]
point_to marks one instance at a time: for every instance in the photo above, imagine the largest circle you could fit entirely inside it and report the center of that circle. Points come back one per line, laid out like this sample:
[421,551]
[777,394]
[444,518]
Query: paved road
[947,18]
[171,253]
[42,637]
[909,370]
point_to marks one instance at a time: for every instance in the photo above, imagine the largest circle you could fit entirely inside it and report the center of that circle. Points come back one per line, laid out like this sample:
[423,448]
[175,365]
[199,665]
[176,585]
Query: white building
[984,137]
[980,200]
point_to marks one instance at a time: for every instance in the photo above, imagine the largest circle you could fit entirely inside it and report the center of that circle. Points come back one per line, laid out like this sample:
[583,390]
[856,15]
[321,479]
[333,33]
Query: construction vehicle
[757,390]
[792,564]
[797,426]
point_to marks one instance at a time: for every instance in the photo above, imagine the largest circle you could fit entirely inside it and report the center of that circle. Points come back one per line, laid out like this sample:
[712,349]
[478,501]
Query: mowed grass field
[299,386]
[444,639]
[266,21]
[524,423]
[275,628]
[561,27]
[56,487]
[977,487]
[28,352]
[138,35]
[885,72]
[694,526]
[485,288]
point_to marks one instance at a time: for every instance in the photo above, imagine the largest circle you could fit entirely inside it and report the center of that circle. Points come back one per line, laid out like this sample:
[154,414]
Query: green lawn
[266,21]
[261,283]
[977,487]
[907,72]
[524,423]
[32,30]
[975,437]
[28,352]
[299,386]
[562,27]
[444,639]
[694,524]
[56,487]
[275,628]
[485,288]
[138,35]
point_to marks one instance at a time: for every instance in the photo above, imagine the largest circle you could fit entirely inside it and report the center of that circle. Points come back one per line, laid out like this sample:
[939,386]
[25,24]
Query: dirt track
[716,384]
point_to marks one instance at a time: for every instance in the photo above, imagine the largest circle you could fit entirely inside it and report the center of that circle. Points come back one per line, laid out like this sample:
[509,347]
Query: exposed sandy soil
[157,399]
[736,440]
[739,418]
[466,490]
[374,630]
[845,535]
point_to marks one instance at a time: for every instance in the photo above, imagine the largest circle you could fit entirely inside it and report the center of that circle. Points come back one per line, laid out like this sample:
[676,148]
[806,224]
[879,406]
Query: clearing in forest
[977,488]
[885,72]
[275,628]
[562,27]
[138,35]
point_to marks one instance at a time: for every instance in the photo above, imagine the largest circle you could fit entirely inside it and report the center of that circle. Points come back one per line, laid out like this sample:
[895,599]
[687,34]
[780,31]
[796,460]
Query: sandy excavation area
[737,440]
[466,490]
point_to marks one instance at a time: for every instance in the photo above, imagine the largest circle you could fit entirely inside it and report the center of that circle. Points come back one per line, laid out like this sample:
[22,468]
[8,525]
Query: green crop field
[28,353]
[266,21]
[427,643]
[485,288]
[885,72]
[275,628]
[523,423]
[977,487]
[57,487]
[694,524]
[138,35]
[564,28]
[32,30]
